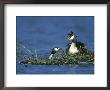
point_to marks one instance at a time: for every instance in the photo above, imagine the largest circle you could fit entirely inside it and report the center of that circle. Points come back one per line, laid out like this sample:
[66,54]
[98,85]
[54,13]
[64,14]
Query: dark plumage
[81,47]
[53,51]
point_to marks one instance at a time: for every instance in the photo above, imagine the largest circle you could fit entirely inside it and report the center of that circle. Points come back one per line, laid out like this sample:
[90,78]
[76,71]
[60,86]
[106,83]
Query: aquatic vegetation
[64,58]
[28,50]
[78,58]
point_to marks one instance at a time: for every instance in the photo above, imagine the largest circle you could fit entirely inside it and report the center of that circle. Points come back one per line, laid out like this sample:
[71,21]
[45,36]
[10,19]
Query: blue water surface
[55,69]
[41,33]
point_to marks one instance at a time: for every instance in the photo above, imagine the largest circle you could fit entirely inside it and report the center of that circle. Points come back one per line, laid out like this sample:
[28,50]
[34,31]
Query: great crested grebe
[54,50]
[75,46]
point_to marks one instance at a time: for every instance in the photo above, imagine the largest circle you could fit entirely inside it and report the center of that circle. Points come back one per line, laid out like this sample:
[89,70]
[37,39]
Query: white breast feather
[73,49]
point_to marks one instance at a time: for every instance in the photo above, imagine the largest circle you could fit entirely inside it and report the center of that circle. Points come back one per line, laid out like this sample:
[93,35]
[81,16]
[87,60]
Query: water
[55,69]
[43,33]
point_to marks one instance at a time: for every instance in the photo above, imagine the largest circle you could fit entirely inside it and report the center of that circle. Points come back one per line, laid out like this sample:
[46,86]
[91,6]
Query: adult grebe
[75,46]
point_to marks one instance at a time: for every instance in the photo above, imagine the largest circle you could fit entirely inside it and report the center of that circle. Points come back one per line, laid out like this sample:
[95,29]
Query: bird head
[72,36]
[56,49]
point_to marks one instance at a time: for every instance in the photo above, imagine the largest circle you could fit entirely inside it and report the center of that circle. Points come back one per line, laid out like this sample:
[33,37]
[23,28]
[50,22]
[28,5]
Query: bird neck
[74,41]
[53,52]
[50,57]
[73,44]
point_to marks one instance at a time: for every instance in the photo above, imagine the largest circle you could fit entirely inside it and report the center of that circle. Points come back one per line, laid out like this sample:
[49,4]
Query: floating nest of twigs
[64,58]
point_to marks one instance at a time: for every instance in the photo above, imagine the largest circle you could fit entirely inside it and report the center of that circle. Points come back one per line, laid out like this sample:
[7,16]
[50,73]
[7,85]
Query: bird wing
[80,44]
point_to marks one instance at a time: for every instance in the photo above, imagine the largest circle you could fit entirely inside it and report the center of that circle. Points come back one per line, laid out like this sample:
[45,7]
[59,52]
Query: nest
[64,58]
